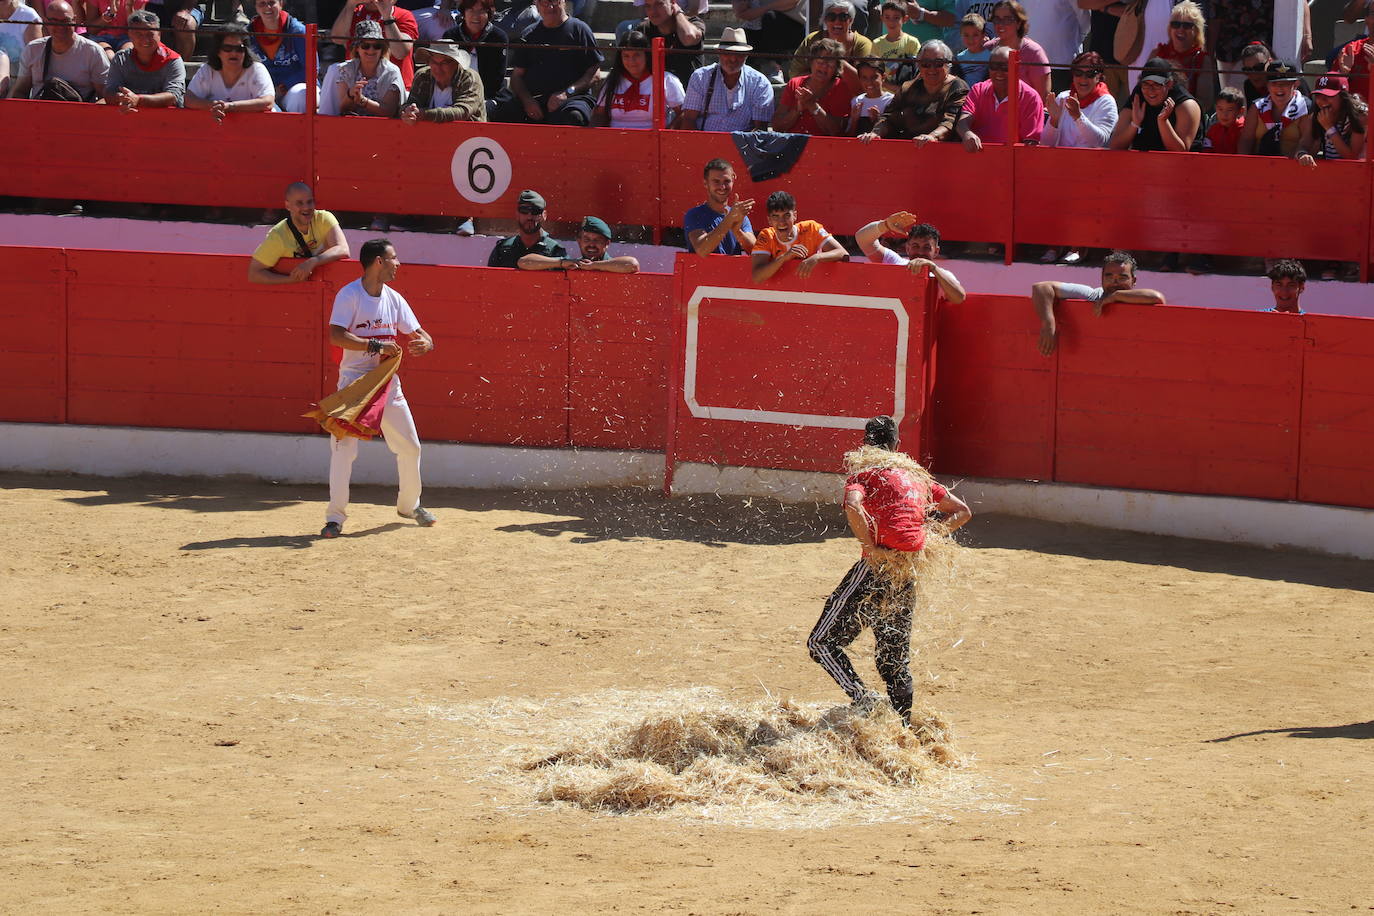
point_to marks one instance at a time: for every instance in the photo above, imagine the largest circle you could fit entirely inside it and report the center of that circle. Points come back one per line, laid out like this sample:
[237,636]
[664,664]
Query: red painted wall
[1337,443]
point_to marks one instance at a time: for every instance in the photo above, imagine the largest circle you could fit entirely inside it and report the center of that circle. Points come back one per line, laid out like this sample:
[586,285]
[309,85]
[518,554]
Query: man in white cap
[728,95]
[446,90]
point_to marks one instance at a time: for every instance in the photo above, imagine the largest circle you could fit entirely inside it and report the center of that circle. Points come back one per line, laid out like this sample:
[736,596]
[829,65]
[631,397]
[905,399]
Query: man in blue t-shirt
[719,226]
[552,71]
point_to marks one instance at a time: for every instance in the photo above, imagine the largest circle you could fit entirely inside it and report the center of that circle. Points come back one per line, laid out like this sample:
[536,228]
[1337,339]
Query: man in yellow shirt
[312,235]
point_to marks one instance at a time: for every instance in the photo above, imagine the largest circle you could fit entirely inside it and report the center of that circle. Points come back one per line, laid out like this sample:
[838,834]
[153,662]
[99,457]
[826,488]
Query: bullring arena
[1144,688]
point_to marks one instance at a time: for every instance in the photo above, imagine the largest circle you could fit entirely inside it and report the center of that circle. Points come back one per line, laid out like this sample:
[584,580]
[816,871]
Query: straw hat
[733,40]
[451,50]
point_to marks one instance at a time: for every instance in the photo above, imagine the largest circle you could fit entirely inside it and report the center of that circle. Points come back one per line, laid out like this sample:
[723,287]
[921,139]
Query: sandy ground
[204,708]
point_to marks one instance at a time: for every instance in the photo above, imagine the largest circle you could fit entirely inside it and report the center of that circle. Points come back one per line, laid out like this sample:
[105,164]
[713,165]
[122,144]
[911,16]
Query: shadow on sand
[1357,730]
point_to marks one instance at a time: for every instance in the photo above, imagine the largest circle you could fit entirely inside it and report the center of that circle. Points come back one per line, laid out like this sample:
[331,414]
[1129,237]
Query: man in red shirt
[399,28]
[885,505]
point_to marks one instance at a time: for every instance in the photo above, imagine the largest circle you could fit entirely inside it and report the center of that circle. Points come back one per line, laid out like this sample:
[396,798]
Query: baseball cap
[593,224]
[530,199]
[366,29]
[1280,71]
[1157,70]
[1331,84]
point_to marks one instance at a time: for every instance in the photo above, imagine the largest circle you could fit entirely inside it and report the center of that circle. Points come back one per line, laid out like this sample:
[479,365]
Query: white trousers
[398,429]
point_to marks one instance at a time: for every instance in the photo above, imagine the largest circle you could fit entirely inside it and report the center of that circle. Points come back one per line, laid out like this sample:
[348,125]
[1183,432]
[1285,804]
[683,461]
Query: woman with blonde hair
[1186,47]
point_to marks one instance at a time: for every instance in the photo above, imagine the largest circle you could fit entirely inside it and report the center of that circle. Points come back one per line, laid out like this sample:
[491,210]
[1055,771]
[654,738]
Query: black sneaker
[422,516]
[331,530]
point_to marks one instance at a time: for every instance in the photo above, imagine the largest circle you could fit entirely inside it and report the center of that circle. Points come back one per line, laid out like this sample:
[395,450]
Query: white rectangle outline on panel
[689,378]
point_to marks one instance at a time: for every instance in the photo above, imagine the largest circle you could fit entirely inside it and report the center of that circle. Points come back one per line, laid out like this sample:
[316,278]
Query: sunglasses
[529,211]
[1081,71]
[232,49]
[837,17]
[1189,26]
[1005,20]
[372,45]
[998,68]
[933,64]
[1253,68]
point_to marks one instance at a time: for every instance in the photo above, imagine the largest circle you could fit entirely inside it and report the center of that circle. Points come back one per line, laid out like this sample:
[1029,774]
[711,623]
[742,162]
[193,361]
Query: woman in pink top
[1011,23]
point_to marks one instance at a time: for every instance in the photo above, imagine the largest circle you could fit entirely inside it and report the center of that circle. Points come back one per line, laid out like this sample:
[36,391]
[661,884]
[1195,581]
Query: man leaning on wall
[312,235]
[1118,286]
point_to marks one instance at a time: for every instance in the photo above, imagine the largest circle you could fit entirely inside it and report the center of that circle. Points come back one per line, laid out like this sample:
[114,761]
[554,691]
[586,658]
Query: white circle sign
[481,170]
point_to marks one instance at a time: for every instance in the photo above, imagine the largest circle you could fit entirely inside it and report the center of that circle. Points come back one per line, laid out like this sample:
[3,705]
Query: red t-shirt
[405,21]
[897,506]
[1223,139]
[835,103]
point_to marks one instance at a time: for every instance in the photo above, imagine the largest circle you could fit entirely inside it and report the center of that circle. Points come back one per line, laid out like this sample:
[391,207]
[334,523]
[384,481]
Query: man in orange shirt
[786,239]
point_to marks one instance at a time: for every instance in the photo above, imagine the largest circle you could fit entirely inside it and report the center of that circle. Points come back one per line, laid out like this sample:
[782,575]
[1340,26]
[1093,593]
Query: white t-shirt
[1093,129]
[632,104]
[208,83]
[369,316]
[864,107]
[891,257]
[441,98]
[12,33]
[85,65]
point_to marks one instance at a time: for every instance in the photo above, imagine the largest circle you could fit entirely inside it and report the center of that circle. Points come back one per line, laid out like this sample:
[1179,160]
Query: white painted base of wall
[116,451]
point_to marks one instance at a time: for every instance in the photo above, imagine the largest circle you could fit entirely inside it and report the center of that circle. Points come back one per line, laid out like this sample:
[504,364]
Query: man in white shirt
[64,55]
[367,317]
[922,247]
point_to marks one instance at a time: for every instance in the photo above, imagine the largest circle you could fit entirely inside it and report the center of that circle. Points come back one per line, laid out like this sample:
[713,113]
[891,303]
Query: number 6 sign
[481,170]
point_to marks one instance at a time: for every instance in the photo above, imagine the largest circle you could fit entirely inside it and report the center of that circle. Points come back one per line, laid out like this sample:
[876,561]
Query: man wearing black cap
[1160,115]
[1278,123]
[593,239]
[529,216]
[886,496]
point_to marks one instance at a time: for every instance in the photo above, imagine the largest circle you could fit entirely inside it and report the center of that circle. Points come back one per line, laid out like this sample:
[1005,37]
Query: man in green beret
[593,240]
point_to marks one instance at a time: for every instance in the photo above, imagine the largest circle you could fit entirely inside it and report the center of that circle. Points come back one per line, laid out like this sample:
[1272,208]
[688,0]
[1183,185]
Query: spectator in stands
[720,225]
[1103,18]
[107,22]
[774,26]
[552,86]
[728,95]
[434,20]
[307,233]
[922,247]
[926,108]
[1287,280]
[1338,129]
[1226,124]
[1118,285]
[279,39]
[531,238]
[184,18]
[1083,116]
[446,90]
[367,83]
[1059,28]
[24,26]
[627,95]
[1160,114]
[399,30]
[479,36]
[839,28]
[680,32]
[1357,57]
[1254,58]
[1011,23]
[593,242]
[894,46]
[1279,123]
[868,106]
[971,63]
[230,81]
[64,57]
[148,75]
[1186,48]
[785,240]
[1235,24]
[927,21]
[983,120]
[817,103]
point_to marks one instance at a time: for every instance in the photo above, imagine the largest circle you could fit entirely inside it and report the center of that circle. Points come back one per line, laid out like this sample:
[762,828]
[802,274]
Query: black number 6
[474,167]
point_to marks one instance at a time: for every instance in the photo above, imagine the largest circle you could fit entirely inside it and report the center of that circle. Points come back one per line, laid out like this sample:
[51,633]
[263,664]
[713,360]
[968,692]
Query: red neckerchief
[161,58]
[634,98]
[1098,92]
[269,45]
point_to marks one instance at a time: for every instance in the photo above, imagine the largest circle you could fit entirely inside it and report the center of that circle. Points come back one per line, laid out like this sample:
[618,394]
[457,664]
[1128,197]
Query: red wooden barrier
[33,309]
[154,155]
[182,340]
[782,375]
[994,392]
[621,334]
[1337,464]
[1192,202]
[1179,399]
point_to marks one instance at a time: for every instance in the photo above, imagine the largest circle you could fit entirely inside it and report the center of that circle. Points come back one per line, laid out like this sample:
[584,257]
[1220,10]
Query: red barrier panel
[154,155]
[621,337]
[964,195]
[1191,202]
[181,340]
[1178,399]
[1337,464]
[499,371]
[994,392]
[33,373]
[382,166]
[782,375]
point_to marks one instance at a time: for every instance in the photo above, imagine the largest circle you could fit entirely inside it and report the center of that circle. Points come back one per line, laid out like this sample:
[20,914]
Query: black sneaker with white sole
[331,530]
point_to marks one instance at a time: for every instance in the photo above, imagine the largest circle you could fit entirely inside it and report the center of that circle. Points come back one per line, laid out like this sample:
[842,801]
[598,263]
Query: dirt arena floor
[206,709]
